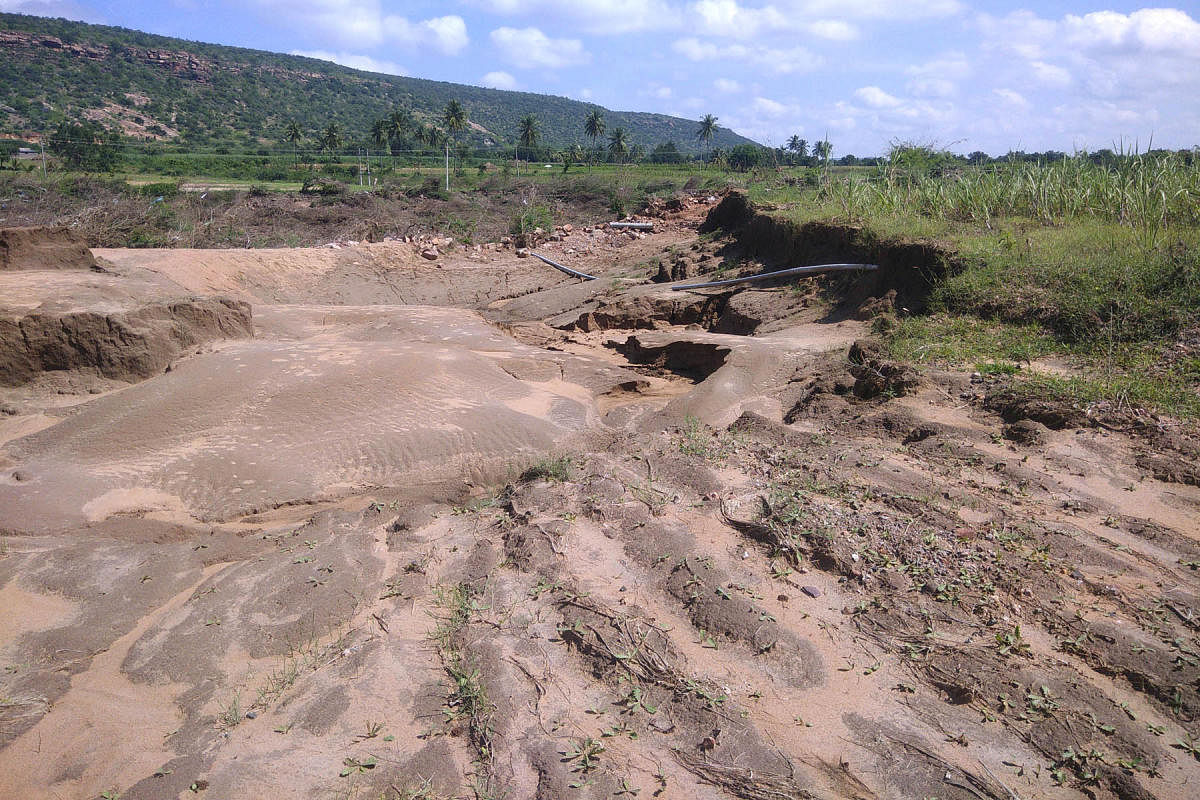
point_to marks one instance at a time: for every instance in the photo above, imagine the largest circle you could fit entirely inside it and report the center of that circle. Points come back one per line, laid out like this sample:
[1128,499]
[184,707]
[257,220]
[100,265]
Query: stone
[522,252]
[811,591]
[430,253]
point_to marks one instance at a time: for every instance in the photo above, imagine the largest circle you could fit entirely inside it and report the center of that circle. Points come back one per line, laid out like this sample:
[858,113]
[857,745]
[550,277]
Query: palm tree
[379,136]
[454,117]
[331,139]
[593,125]
[399,124]
[292,133]
[527,130]
[618,144]
[822,150]
[798,146]
[708,127]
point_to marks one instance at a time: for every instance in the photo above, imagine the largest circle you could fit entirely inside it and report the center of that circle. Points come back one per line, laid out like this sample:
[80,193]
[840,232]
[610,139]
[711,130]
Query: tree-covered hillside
[171,89]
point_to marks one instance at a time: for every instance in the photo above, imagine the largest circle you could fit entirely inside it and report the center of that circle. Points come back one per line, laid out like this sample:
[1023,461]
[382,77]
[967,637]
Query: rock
[1027,432]
[811,591]
[567,228]
[522,252]
[430,253]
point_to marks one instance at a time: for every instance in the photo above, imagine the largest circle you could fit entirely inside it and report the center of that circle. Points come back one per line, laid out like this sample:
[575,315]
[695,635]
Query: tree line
[92,147]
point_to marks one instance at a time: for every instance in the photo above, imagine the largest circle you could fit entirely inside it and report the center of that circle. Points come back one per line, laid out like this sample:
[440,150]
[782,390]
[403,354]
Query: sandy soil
[467,528]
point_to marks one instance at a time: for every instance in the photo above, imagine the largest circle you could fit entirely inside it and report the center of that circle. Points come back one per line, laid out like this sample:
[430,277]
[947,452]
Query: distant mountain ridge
[172,89]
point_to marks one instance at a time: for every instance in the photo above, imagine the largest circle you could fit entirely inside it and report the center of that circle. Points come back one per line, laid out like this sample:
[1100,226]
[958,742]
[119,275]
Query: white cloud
[781,62]
[939,77]
[726,85]
[769,107]
[50,8]
[529,47]
[585,94]
[357,22]
[447,34]
[727,18]
[499,80]
[450,32]
[595,16]
[833,29]
[362,23]
[1156,29]
[662,92]
[354,61]
[1012,97]
[875,97]
[878,9]
[1050,74]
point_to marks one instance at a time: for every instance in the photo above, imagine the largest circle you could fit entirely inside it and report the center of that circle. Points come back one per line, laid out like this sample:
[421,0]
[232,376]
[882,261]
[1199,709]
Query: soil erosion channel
[374,522]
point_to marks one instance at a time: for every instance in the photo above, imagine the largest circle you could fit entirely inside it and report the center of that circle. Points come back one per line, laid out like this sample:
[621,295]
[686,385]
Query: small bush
[550,469]
[530,219]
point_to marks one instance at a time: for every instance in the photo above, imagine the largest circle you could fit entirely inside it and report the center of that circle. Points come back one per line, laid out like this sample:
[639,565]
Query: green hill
[161,88]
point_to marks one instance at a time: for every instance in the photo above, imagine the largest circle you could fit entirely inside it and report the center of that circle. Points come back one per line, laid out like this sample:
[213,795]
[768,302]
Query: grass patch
[556,470]
[467,701]
[1099,263]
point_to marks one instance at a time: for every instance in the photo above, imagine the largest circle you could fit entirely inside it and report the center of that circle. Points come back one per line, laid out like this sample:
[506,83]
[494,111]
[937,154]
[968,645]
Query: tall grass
[1146,192]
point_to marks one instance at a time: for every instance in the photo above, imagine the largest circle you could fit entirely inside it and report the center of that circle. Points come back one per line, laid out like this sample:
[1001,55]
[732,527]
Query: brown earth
[41,248]
[466,527]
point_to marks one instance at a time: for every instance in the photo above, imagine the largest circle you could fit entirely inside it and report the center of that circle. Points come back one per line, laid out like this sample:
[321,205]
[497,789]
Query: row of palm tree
[820,149]
[400,127]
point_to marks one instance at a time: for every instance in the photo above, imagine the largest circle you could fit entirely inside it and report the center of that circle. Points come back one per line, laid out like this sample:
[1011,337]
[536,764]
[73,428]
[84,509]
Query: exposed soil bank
[43,248]
[910,268]
[124,345]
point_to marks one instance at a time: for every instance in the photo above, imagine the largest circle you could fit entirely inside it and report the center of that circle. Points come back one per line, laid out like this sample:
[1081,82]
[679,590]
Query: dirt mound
[129,344]
[43,248]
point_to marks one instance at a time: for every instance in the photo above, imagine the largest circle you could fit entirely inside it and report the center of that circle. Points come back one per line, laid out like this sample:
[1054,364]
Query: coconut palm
[331,139]
[454,117]
[618,144]
[379,136]
[798,146]
[528,132]
[292,133]
[708,127]
[399,126]
[593,125]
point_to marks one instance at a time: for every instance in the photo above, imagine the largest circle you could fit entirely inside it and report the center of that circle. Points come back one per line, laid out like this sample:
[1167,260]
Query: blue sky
[964,74]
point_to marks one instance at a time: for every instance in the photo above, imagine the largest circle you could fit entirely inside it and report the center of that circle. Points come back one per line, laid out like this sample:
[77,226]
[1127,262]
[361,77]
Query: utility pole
[447,166]
[42,142]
